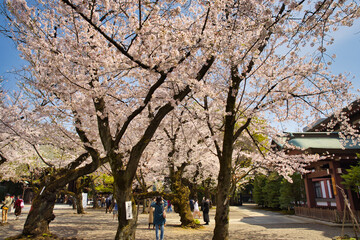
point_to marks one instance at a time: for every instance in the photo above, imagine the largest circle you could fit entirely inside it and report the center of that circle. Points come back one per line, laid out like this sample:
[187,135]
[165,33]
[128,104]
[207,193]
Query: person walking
[18,205]
[169,208]
[102,201]
[202,203]
[151,214]
[159,216]
[5,207]
[115,209]
[108,204]
[206,209]
[196,209]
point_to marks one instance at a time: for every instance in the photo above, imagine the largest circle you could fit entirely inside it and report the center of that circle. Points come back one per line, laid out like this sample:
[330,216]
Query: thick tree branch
[65,177]
[121,131]
[82,135]
[255,142]
[103,123]
[241,129]
[138,149]
[78,161]
[210,127]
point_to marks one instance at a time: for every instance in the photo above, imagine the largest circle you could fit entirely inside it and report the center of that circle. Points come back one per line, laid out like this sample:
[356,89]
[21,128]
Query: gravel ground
[246,222]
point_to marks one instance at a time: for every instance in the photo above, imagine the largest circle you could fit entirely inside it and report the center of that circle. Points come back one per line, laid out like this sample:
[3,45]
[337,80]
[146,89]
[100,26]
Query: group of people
[205,208]
[8,202]
[110,204]
[158,208]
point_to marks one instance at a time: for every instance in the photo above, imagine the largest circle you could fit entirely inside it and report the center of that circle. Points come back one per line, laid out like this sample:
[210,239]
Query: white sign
[42,190]
[128,208]
[84,199]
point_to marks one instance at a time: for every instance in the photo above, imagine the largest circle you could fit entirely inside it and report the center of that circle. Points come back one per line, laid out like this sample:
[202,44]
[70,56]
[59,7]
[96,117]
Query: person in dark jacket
[159,216]
[192,205]
[205,209]
[108,204]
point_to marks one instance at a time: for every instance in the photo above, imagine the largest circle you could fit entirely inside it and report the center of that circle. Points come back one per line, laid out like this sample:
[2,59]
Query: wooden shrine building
[323,182]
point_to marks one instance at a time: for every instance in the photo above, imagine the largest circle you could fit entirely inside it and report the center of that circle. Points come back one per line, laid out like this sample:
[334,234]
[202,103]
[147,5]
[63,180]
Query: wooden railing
[330,215]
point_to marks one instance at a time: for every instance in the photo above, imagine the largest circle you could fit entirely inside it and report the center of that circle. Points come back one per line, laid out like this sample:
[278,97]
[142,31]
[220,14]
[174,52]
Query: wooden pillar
[336,181]
[310,192]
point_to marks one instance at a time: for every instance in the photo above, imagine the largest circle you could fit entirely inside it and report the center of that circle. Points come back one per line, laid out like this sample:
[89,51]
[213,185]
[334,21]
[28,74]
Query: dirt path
[246,222]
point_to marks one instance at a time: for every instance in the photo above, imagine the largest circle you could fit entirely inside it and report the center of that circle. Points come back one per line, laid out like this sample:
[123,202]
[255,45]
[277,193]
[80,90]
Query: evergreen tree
[291,193]
[352,178]
[258,193]
[272,190]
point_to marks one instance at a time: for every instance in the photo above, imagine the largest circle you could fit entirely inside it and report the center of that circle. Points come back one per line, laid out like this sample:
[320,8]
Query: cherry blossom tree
[9,116]
[188,154]
[103,64]
[17,137]
[174,158]
[35,143]
[114,66]
[263,74]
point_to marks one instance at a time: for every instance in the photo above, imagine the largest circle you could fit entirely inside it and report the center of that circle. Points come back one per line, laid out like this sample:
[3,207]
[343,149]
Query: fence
[330,215]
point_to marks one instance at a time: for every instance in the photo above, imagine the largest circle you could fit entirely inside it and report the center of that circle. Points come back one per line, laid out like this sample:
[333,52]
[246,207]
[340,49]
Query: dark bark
[126,227]
[79,204]
[144,210]
[76,200]
[41,214]
[79,187]
[221,231]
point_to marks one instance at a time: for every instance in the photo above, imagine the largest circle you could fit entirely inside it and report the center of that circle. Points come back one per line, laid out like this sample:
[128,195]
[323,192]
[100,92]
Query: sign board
[84,199]
[128,210]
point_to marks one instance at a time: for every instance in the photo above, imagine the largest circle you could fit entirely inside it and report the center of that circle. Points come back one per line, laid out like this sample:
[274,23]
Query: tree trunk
[73,202]
[78,196]
[181,199]
[95,200]
[94,193]
[144,210]
[79,204]
[41,214]
[182,206]
[221,231]
[123,193]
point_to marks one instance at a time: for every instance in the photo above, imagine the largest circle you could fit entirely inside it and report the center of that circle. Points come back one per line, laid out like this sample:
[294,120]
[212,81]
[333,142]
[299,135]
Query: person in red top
[19,204]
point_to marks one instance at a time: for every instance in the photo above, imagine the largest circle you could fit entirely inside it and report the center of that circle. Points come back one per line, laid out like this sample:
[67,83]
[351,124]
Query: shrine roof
[322,140]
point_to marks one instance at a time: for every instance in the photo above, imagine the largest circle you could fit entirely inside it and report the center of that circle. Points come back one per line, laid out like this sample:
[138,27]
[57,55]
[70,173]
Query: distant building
[323,182]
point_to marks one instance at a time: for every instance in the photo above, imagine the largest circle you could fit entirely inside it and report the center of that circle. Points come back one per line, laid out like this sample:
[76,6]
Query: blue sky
[347,50]
[9,61]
